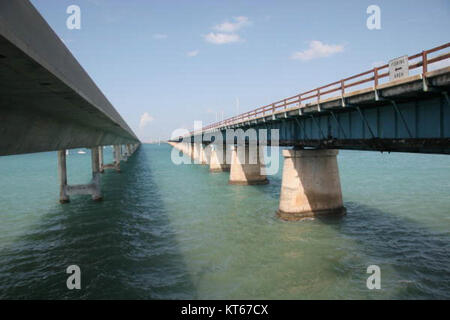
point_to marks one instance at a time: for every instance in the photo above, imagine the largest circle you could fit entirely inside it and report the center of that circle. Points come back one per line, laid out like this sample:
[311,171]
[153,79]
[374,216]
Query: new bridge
[49,103]
[403,106]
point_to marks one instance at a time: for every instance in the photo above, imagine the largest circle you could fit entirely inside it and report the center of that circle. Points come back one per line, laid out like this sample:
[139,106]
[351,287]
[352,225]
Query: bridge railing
[420,61]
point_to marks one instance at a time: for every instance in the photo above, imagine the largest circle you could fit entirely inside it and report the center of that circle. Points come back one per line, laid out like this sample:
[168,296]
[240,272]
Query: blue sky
[173,62]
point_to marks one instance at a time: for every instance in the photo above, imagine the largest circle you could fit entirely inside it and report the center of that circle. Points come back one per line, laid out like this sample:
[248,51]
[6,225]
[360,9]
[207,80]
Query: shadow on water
[413,258]
[418,255]
[124,246]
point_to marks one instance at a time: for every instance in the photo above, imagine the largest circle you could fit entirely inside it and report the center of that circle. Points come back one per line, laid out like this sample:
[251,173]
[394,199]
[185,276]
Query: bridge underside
[47,101]
[411,115]
[39,112]
[439,146]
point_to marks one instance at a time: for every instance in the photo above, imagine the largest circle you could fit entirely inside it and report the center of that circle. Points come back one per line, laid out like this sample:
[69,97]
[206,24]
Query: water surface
[168,232]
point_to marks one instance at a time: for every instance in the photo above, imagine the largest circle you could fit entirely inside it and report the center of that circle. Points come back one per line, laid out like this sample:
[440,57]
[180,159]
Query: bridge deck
[408,115]
[48,101]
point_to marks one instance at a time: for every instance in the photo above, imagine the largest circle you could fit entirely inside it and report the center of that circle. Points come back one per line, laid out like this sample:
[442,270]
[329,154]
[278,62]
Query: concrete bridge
[49,103]
[372,110]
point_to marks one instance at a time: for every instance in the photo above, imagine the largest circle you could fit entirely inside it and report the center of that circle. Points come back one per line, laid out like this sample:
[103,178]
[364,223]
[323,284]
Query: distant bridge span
[407,115]
[361,112]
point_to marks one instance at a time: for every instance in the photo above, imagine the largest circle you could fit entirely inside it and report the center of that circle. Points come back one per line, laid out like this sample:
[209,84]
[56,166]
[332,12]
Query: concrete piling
[218,159]
[100,159]
[92,188]
[116,162]
[117,157]
[62,174]
[246,166]
[200,154]
[191,151]
[310,185]
[96,192]
[207,154]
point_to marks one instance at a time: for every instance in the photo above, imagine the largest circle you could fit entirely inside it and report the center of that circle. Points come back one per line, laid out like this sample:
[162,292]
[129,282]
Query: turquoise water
[169,232]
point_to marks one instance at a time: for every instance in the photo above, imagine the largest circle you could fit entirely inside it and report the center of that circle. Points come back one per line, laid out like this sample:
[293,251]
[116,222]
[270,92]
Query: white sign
[398,68]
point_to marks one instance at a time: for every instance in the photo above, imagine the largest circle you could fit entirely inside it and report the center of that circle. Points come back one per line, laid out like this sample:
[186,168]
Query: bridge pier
[310,185]
[62,175]
[92,188]
[95,184]
[246,167]
[207,153]
[116,164]
[129,151]
[117,157]
[100,159]
[191,151]
[201,154]
[198,154]
[195,153]
[187,149]
[123,153]
[218,159]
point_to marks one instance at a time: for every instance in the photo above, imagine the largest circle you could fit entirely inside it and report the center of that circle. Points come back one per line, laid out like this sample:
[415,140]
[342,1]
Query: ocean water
[172,232]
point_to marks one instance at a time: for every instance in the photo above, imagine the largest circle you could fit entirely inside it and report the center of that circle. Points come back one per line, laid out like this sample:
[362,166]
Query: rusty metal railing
[371,76]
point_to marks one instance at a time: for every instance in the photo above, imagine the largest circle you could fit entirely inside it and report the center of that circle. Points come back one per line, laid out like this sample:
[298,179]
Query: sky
[164,64]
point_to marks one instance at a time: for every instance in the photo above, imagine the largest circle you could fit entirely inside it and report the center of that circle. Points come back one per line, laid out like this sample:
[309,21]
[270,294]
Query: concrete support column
[115,164]
[93,188]
[100,159]
[117,157]
[191,151]
[201,156]
[247,167]
[196,153]
[207,154]
[62,174]
[310,185]
[123,153]
[218,159]
[96,193]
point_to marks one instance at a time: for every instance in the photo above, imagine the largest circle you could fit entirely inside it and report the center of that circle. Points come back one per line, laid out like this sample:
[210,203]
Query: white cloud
[193,53]
[145,120]
[222,38]
[226,31]
[317,49]
[160,36]
[239,22]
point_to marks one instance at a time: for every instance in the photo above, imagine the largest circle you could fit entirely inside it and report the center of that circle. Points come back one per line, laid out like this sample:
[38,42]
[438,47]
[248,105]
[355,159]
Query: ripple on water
[168,232]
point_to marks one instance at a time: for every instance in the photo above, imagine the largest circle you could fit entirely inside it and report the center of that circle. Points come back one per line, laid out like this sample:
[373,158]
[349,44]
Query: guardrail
[374,75]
